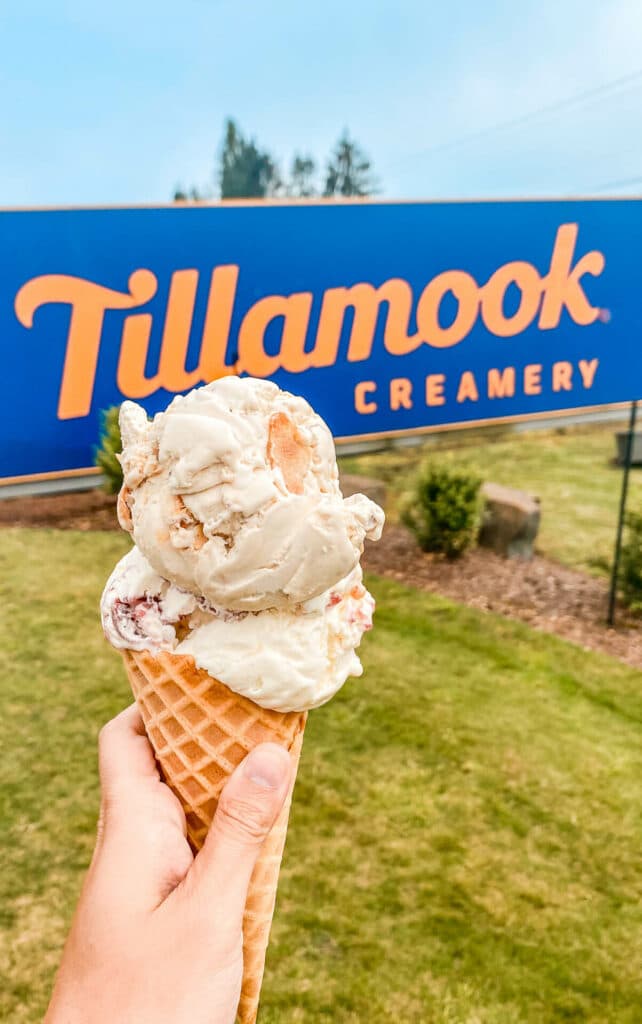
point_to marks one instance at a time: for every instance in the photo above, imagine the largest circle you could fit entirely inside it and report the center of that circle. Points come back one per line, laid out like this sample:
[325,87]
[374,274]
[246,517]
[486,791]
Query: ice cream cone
[200,731]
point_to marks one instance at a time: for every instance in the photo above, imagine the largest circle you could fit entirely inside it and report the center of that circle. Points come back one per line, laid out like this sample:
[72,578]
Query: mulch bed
[80,510]
[546,595]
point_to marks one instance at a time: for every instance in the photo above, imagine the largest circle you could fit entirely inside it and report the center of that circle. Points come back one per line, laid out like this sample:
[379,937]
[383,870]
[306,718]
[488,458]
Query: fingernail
[268,766]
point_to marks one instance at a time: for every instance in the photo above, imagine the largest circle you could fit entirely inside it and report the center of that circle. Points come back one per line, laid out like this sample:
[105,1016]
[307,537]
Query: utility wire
[591,95]
[622,183]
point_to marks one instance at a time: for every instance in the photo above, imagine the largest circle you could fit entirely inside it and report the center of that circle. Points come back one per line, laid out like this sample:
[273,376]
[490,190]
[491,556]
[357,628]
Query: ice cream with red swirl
[280,659]
[247,554]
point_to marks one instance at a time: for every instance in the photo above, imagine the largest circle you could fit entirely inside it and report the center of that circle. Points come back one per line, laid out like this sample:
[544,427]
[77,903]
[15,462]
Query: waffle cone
[200,731]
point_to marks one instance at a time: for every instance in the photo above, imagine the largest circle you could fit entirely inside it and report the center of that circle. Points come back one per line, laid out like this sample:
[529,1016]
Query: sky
[122,102]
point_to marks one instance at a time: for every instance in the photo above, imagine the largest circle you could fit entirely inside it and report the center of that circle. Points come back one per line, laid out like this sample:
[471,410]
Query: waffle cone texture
[200,731]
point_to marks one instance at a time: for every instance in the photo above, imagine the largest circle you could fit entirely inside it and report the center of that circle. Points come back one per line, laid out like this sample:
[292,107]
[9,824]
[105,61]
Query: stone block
[510,521]
[621,440]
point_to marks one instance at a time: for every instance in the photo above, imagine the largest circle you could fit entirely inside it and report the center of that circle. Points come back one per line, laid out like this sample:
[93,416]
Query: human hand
[157,935]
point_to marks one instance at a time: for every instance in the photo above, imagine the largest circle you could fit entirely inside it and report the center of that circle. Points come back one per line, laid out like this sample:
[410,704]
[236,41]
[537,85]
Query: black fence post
[628,451]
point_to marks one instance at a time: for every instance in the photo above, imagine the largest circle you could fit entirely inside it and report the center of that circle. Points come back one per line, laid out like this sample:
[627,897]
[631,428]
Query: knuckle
[244,819]
[111,733]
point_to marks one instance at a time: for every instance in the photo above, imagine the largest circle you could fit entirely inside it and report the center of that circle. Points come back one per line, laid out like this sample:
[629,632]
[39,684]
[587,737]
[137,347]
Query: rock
[510,521]
[373,488]
[621,440]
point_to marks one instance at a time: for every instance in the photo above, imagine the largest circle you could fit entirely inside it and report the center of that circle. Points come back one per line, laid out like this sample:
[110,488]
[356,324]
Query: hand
[157,937]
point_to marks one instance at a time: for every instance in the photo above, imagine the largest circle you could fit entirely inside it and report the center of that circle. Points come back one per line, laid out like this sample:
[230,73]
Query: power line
[592,94]
[622,183]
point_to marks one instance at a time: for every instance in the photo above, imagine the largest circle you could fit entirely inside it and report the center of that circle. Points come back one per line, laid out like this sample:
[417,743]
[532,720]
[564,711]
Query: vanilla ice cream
[281,660]
[246,555]
[233,494]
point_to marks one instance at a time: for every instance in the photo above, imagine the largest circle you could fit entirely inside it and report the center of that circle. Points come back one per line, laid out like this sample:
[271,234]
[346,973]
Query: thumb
[247,809]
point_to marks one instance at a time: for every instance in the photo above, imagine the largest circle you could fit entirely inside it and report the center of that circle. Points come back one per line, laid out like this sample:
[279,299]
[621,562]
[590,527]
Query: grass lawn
[466,836]
[571,470]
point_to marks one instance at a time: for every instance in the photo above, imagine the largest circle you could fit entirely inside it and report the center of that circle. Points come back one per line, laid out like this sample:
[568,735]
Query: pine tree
[349,170]
[302,173]
[246,172]
[192,195]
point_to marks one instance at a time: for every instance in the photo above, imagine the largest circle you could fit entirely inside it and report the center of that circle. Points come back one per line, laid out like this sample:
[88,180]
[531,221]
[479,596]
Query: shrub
[443,510]
[631,563]
[110,446]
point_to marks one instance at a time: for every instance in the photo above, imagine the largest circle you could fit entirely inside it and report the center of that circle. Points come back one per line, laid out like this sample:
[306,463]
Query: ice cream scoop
[233,494]
[280,659]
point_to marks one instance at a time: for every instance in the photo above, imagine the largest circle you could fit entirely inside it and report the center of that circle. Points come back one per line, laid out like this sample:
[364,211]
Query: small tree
[302,173]
[192,195]
[443,510]
[110,447]
[349,170]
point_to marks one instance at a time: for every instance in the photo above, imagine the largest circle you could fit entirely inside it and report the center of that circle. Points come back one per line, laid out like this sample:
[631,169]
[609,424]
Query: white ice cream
[284,660]
[233,494]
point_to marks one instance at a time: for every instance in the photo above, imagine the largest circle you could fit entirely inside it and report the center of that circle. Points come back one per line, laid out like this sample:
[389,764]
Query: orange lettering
[493,294]
[588,371]
[464,288]
[176,332]
[360,392]
[171,374]
[533,379]
[501,385]
[130,375]
[218,319]
[467,390]
[562,376]
[435,389]
[390,304]
[400,393]
[366,301]
[562,285]
[89,302]
[295,311]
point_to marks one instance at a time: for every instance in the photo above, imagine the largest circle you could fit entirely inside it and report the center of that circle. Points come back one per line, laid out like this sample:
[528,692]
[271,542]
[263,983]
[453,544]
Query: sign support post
[628,451]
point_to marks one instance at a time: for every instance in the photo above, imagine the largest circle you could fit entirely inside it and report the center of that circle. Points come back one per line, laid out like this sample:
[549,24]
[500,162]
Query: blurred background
[465,841]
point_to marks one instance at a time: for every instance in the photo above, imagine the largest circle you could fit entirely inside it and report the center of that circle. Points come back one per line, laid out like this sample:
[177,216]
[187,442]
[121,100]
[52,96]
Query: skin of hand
[156,938]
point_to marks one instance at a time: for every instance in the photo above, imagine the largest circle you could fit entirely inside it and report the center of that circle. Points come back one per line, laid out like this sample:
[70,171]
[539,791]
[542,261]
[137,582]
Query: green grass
[571,470]
[466,834]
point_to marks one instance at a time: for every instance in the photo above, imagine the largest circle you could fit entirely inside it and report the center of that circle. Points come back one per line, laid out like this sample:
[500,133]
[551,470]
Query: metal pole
[620,524]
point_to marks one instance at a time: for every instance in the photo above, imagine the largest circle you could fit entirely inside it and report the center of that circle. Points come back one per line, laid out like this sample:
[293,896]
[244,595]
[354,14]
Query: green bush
[631,563]
[443,510]
[110,447]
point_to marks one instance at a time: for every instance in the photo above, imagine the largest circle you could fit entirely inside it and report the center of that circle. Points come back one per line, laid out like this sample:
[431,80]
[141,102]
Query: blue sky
[119,102]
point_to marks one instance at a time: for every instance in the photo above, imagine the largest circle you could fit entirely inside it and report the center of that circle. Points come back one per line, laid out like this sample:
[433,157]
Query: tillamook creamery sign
[388,317]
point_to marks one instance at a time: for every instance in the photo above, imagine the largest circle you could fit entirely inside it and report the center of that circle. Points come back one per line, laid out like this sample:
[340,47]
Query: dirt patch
[548,596]
[81,510]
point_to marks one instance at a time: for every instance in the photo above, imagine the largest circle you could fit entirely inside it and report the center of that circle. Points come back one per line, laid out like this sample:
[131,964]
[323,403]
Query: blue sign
[387,317]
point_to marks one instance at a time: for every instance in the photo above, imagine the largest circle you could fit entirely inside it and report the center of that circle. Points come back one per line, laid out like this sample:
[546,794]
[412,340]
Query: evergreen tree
[349,170]
[302,173]
[246,171]
[192,195]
